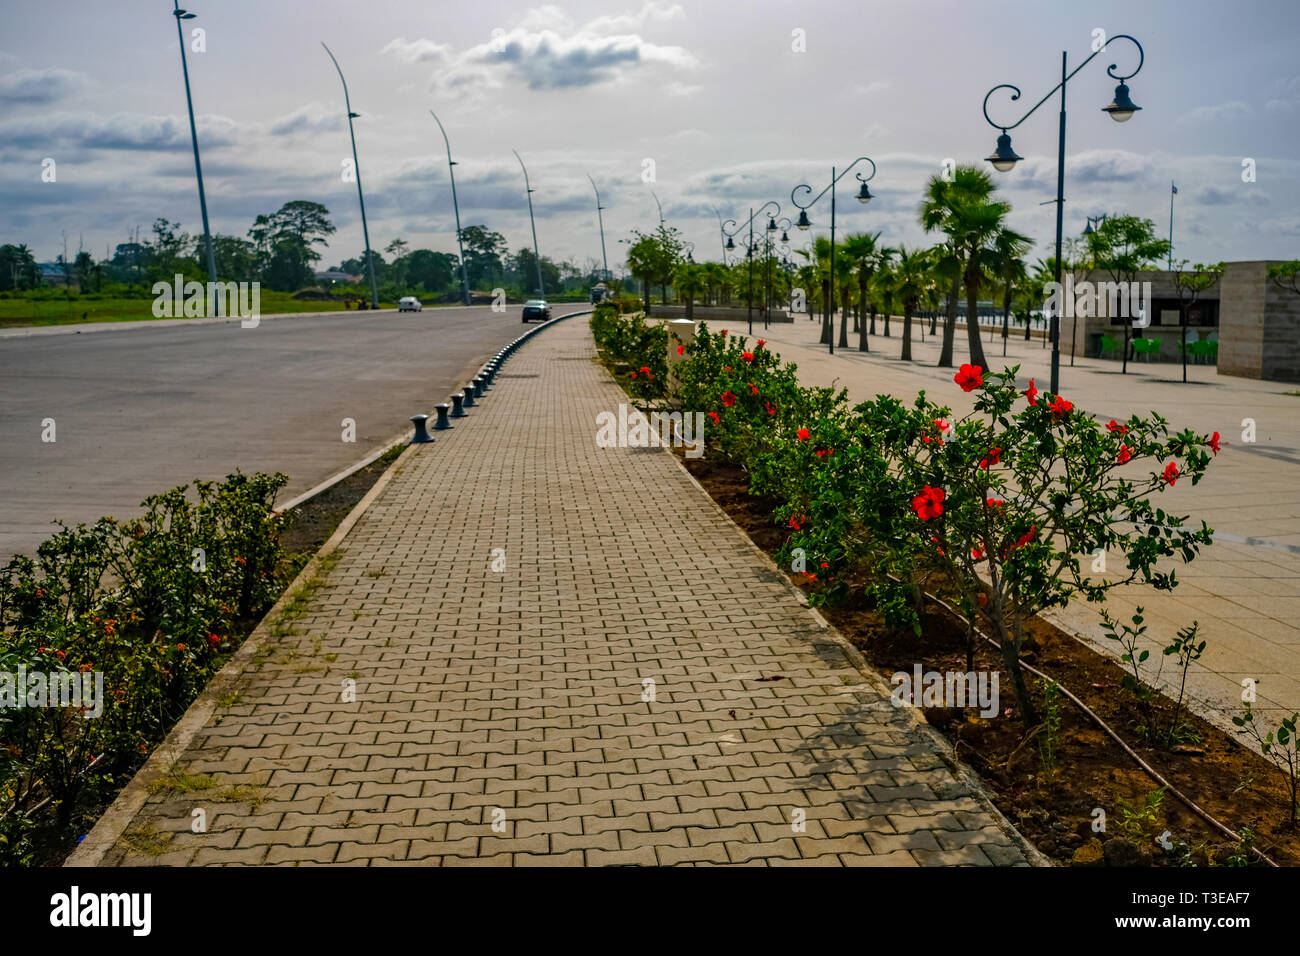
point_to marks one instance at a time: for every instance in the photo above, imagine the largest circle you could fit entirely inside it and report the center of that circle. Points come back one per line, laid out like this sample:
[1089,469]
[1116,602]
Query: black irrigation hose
[1146,767]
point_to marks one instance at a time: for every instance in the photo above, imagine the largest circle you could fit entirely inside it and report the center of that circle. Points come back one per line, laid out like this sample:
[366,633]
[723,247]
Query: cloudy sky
[712,93]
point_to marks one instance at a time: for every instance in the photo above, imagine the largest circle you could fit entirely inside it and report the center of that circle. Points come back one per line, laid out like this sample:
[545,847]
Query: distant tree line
[282,250]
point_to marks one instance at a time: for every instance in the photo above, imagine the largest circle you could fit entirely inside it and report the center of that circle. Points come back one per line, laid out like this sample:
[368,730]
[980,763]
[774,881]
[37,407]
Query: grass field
[60,310]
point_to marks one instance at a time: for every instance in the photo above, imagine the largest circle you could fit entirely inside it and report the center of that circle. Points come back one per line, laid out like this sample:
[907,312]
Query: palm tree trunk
[973,323]
[907,333]
[1006,319]
[949,324]
[844,318]
[886,313]
[828,320]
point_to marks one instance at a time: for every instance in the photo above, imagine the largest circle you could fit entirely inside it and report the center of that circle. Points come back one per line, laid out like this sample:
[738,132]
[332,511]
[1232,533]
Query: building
[1245,324]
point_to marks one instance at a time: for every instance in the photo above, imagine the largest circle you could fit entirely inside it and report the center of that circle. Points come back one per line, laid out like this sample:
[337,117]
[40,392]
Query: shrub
[154,605]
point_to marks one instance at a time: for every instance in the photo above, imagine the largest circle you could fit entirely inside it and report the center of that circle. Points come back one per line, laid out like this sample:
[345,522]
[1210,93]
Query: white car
[409,303]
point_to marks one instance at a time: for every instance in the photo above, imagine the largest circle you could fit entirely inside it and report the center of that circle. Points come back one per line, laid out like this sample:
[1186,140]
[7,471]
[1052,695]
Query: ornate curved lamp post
[541,287]
[180,15]
[749,294]
[804,223]
[722,232]
[451,172]
[1004,158]
[601,219]
[356,168]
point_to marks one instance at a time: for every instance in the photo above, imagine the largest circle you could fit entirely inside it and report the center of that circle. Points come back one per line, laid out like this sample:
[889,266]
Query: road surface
[141,409]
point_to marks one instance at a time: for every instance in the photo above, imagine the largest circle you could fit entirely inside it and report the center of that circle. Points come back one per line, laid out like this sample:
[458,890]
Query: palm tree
[862,250]
[689,282]
[1009,248]
[912,281]
[964,209]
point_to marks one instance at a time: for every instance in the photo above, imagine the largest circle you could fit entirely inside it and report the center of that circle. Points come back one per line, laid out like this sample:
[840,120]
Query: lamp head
[864,194]
[1004,157]
[803,222]
[1122,107]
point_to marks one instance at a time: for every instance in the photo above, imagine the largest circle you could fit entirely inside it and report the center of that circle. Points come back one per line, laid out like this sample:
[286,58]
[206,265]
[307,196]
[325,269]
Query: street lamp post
[180,15]
[451,172]
[864,197]
[721,232]
[541,287]
[661,208]
[356,168]
[1003,158]
[601,219]
[749,294]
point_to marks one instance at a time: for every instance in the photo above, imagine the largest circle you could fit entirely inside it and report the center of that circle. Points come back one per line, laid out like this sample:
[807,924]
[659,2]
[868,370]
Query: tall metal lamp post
[601,219]
[536,253]
[451,172]
[731,244]
[864,197]
[356,168]
[180,15]
[1004,158]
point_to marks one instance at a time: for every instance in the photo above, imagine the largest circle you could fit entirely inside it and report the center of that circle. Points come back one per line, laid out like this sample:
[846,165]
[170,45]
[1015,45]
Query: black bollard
[457,406]
[421,436]
[442,424]
[468,392]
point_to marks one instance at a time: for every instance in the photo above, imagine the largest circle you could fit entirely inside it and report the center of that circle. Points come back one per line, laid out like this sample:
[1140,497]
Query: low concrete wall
[1259,325]
[714,314]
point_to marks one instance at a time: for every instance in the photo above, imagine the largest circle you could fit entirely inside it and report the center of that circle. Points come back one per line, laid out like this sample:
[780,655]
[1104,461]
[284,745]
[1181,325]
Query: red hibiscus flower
[1025,538]
[681,350]
[213,640]
[1124,454]
[993,502]
[797,521]
[929,503]
[645,370]
[634,374]
[761,343]
[1214,443]
[1061,407]
[728,399]
[977,553]
[969,377]
[753,389]
[714,416]
[1115,428]
[803,434]
[1171,473]
[771,409]
[1031,393]
[726,368]
[992,458]
[724,331]
[823,452]
[747,356]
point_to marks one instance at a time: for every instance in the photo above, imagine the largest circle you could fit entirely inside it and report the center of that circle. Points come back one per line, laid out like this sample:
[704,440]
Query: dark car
[536,310]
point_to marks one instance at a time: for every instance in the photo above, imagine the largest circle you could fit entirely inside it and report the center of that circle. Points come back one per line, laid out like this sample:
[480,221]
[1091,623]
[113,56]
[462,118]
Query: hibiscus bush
[628,339]
[154,605]
[1013,503]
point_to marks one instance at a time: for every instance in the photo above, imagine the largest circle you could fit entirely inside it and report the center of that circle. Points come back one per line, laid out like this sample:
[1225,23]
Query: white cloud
[547,49]
[1223,112]
[39,87]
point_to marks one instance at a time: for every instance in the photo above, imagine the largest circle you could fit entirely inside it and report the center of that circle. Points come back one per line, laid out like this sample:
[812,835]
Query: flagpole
[1173,191]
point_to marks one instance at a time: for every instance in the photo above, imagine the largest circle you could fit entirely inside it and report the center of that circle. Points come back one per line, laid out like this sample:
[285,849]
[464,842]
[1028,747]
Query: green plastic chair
[1107,345]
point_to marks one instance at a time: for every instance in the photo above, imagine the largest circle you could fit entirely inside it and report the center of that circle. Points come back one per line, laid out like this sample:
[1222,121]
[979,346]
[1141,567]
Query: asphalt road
[141,409]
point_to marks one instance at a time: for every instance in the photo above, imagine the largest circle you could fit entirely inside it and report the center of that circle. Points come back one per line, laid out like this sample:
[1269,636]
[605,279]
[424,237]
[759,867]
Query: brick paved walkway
[516,695]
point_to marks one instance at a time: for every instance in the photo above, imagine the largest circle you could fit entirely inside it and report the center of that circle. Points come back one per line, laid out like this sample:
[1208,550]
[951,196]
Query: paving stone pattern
[516,696]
